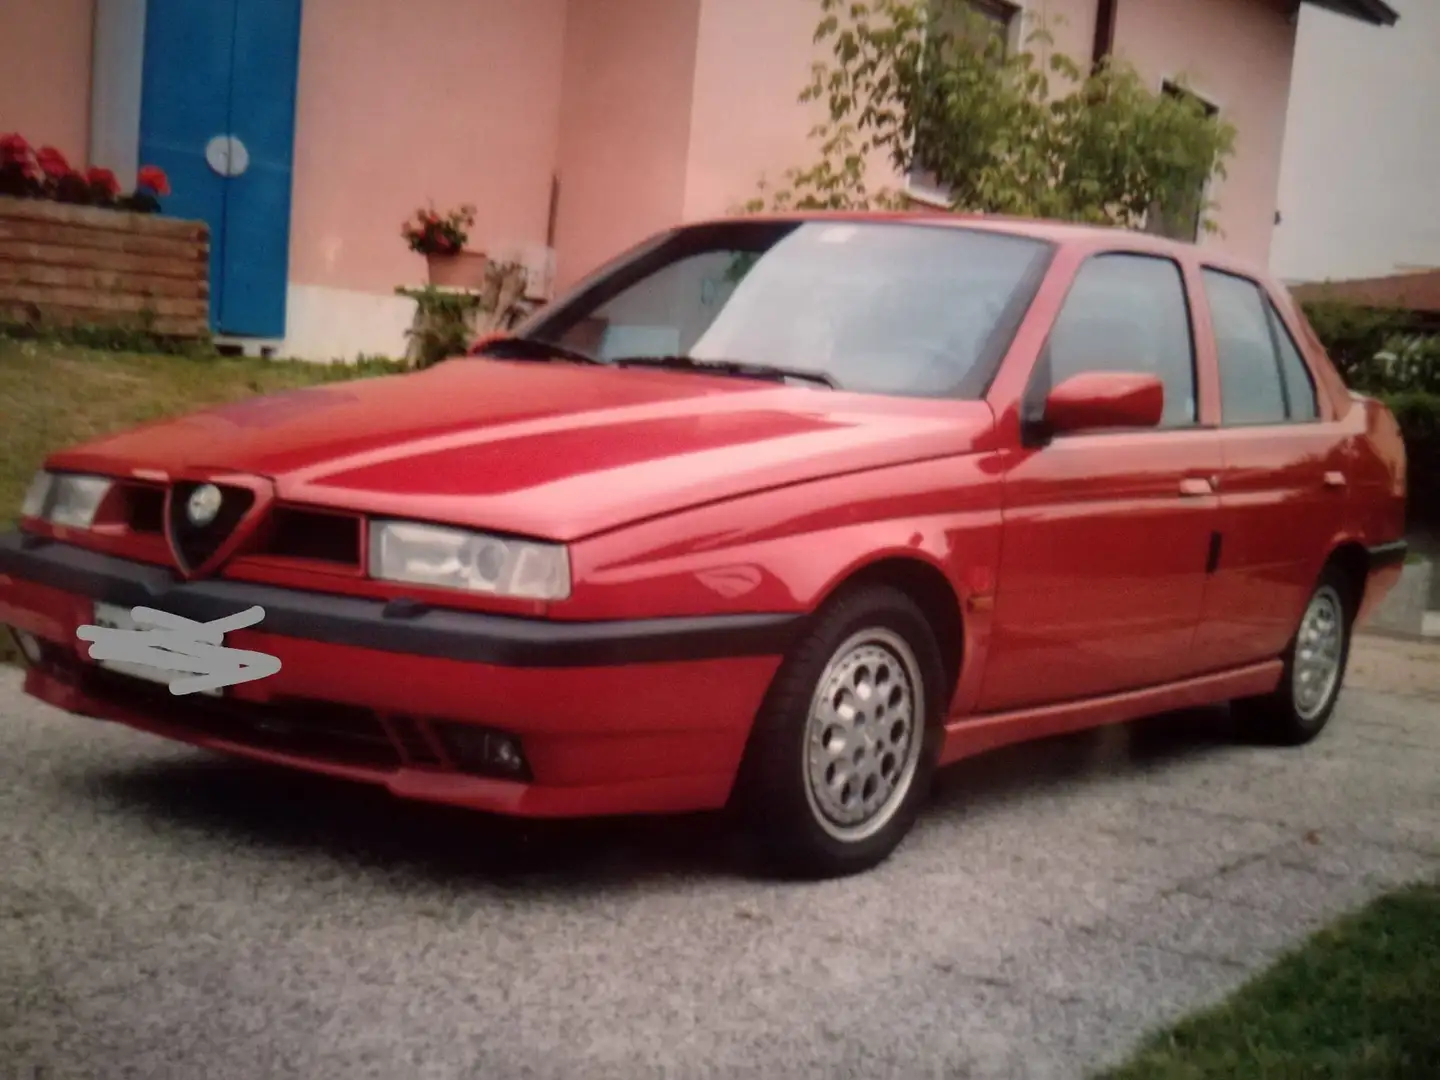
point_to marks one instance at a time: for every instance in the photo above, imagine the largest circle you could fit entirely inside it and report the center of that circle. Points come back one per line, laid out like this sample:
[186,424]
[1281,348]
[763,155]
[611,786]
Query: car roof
[1062,233]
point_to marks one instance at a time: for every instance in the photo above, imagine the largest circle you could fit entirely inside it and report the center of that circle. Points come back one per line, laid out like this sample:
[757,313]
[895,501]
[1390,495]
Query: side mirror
[1104,400]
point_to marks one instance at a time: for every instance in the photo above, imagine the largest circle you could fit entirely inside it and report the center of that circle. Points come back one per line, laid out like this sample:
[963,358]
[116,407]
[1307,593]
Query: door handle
[1197,485]
[1334,479]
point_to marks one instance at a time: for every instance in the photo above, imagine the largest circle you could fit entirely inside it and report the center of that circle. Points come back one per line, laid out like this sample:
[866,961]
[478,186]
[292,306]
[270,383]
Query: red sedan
[773,513]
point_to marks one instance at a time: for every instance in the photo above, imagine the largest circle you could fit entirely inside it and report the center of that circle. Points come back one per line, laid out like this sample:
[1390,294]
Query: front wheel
[846,742]
[1300,707]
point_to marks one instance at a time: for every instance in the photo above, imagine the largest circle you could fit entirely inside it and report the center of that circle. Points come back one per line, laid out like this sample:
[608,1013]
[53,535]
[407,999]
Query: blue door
[218,115]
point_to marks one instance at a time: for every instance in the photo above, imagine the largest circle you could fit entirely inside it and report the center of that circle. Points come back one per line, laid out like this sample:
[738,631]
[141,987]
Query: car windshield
[875,307]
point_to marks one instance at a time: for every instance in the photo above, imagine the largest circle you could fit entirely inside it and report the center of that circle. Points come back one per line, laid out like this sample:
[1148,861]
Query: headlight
[476,562]
[65,498]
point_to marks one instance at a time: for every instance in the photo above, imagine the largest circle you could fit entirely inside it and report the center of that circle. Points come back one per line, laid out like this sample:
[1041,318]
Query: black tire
[778,804]
[1288,717]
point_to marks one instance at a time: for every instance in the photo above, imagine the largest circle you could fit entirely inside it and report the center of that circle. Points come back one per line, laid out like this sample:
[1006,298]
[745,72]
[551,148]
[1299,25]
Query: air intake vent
[144,508]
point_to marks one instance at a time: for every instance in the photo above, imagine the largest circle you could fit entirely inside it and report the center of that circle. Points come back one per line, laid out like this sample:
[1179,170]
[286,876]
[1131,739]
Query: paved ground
[165,914]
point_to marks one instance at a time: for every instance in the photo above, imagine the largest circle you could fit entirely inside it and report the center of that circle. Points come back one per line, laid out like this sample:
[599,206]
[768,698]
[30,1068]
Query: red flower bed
[45,173]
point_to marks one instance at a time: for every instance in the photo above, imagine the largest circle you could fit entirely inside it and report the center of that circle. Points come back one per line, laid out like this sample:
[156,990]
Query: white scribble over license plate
[114,617]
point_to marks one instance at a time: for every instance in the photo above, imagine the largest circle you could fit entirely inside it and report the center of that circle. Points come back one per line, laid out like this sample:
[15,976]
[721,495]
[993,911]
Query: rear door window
[1263,377]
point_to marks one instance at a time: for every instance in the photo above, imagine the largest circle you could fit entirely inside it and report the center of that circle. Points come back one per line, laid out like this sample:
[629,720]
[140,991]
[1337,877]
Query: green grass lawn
[52,396]
[1359,1001]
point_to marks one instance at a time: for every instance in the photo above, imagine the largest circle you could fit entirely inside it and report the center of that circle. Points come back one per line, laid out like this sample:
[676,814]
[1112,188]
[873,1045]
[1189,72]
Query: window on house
[1181,222]
[995,18]
[1126,313]
[1263,377]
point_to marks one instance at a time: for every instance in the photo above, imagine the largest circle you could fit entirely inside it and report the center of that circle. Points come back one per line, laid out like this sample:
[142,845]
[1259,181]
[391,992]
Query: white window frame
[936,195]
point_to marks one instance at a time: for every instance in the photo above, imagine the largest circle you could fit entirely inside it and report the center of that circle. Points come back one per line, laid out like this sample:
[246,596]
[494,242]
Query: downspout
[1104,32]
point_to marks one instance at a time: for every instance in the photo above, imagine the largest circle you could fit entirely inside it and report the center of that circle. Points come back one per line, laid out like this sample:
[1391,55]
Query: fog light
[506,754]
[492,753]
[29,645]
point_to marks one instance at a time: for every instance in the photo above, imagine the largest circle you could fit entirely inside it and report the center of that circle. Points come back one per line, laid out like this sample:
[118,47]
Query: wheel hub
[864,734]
[1318,650]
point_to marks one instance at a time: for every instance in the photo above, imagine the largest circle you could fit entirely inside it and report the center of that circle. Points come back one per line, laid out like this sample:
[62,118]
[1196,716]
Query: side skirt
[967,736]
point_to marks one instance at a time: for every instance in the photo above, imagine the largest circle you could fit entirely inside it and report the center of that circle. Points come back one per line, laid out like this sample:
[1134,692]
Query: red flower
[153,177]
[104,180]
[52,163]
[14,149]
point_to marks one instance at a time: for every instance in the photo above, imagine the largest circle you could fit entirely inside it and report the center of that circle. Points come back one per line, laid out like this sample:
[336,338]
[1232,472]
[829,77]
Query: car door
[1106,535]
[1282,481]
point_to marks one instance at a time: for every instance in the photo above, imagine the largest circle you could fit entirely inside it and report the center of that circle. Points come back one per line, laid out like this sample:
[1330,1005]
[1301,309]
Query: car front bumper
[616,717]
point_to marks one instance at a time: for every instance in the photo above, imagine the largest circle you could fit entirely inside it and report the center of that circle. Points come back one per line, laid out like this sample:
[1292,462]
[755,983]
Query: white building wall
[1360,174]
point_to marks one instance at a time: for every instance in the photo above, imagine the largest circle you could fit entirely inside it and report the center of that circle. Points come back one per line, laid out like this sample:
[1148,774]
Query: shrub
[444,324]
[1032,133]
[1354,336]
[1418,414]
[1408,363]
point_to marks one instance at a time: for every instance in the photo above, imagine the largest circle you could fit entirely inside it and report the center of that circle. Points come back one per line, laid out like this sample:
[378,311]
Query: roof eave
[1374,12]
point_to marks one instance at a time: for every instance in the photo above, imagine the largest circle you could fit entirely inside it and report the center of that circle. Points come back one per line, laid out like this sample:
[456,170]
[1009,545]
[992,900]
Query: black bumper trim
[504,640]
[1391,554]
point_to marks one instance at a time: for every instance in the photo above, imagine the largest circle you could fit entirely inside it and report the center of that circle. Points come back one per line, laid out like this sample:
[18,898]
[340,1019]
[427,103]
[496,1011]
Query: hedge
[1388,354]
[1419,416]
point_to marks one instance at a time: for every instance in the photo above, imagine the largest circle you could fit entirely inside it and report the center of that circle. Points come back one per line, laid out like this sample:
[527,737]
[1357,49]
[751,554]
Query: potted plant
[441,238]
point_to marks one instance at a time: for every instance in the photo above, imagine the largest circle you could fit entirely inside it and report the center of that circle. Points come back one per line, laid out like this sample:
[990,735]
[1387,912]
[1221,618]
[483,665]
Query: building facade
[306,131]
[1362,149]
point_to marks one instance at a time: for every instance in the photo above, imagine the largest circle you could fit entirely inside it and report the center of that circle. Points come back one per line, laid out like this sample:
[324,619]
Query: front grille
[413,743]
[342,734]
[143,508]
[328,537]
[313,535]
[196,543]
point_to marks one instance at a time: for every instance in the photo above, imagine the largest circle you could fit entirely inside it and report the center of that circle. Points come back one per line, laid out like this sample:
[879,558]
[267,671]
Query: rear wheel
[1301,705]
[844,747]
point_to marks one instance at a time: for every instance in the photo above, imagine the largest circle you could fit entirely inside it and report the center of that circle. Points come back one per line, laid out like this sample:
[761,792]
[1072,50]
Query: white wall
[1360,175]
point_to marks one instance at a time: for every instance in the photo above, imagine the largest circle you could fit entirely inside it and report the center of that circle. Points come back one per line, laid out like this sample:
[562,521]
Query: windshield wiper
[528,348]
[727,367]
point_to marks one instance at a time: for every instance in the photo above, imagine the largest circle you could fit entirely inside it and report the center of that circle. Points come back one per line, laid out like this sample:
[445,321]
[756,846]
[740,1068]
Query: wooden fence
[62,264]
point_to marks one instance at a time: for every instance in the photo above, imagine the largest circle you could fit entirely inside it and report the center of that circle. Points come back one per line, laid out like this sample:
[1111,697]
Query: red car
[774,513]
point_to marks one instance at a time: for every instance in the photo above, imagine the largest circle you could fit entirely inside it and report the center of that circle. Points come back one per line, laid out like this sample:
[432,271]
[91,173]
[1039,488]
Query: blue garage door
[218,115]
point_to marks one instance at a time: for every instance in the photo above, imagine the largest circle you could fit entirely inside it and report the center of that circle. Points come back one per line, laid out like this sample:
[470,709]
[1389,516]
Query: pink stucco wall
[404,103]
[625,123]
[45,73]
[752,61]
[1237,54]
[649,111]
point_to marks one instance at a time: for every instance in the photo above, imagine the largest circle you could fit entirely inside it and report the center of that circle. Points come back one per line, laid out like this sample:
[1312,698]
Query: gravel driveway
[166,914]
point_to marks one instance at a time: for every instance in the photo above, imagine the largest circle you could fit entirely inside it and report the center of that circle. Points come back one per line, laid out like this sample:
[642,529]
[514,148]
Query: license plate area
[115,617]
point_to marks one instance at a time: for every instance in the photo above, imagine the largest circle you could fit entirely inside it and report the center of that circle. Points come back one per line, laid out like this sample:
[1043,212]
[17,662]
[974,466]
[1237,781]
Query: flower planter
[465,270]
[68,265]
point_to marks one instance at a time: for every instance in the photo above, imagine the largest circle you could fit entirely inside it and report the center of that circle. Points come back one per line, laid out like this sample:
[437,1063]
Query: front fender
[786,549]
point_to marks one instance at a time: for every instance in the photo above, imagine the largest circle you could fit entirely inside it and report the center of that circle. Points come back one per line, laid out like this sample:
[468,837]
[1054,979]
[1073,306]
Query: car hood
[548,450]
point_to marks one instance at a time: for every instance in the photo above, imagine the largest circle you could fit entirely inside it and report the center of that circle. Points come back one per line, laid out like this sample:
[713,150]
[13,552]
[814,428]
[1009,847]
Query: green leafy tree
[928,83]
